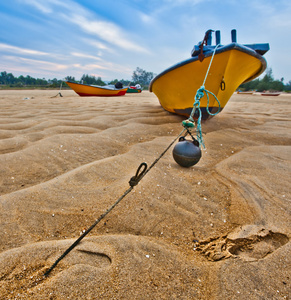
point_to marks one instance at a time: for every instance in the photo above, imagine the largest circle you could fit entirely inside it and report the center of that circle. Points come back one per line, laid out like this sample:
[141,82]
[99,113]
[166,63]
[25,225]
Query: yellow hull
[176,87]
[85,90]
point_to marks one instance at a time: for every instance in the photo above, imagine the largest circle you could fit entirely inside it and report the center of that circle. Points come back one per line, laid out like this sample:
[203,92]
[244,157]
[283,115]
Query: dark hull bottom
[187,111]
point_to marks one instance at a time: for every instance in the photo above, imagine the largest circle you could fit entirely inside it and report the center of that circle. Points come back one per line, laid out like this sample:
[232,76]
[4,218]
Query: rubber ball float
[187,153]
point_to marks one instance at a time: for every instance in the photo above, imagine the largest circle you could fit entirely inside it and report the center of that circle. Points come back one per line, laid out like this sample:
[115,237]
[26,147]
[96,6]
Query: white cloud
[85,55]
[74,13]
[42,6]
[107,31]
[47,6]
[89,67]
[36,63]
[96,44]
[19,50]
[146,18]
[94,66]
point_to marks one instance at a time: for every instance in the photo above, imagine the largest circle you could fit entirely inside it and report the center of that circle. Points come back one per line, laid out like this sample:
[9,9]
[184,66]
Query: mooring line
[140,173]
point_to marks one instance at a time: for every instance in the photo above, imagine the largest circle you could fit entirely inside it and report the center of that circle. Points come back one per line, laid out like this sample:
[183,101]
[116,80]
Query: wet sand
[217,230]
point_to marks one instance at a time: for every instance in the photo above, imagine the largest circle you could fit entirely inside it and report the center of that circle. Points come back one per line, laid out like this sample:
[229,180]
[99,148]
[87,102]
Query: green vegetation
[8,80]
[267,83]
[142,77]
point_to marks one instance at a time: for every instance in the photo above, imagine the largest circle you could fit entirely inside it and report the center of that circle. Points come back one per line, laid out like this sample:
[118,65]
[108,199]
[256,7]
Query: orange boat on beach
[245,93]
[270,94]
[86,90]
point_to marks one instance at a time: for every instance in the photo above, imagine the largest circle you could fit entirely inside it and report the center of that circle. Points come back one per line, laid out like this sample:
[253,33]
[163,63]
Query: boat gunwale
[222,49]
[97,86]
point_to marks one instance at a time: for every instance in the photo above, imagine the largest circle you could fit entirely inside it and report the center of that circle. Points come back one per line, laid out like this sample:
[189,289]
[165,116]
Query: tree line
[267,83]
[139,76]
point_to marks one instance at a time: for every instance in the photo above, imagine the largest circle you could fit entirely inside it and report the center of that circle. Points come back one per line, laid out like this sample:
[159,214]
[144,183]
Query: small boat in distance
[270,94]
[134,89]
[232,65]
[86,90]
[245,92]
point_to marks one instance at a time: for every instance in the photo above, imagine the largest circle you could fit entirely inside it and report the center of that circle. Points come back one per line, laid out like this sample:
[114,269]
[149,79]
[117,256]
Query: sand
[217,230]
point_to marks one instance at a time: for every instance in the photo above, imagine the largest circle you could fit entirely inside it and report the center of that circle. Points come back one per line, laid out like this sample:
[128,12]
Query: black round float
[187,153]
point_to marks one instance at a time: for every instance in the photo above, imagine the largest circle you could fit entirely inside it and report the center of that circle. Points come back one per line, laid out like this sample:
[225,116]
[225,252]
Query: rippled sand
[218,230]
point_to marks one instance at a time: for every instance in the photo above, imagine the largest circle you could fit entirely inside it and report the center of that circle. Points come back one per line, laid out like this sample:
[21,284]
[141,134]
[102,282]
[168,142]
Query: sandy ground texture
[217,230]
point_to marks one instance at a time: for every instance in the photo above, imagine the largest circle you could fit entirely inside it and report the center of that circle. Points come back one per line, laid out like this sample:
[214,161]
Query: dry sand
[218,230]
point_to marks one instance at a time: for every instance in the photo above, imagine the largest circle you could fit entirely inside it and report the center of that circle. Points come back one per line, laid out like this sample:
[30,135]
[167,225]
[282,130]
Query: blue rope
[200,94]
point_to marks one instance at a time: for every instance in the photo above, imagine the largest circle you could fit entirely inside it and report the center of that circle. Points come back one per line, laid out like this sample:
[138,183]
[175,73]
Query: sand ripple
[219,230]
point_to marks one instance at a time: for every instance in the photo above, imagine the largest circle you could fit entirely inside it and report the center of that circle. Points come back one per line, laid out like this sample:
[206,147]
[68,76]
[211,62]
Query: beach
[218,230]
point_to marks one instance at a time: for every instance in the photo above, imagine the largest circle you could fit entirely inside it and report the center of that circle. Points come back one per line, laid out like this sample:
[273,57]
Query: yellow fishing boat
[85,90]
[232,65]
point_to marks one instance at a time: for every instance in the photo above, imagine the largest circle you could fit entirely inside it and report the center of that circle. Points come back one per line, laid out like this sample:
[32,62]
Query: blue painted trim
[233,36]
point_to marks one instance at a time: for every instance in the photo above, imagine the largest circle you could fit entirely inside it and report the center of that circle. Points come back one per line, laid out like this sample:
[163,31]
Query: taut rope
[143,170]
[133,182]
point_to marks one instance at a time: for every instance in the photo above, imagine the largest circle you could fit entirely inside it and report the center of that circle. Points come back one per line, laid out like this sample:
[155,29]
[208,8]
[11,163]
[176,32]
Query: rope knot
[198,96]
[134,180]
[200,92]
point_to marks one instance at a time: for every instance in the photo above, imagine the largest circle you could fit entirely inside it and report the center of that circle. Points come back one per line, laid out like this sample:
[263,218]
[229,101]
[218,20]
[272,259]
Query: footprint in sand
[250,243]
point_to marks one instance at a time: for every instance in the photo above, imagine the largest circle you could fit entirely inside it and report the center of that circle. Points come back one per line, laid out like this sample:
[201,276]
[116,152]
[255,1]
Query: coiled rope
[196,106]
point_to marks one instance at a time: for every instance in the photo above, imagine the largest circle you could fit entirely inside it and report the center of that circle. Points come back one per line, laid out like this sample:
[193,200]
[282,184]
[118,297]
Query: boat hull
[245,93]
[270,94]
[130,91]
[232,65]
[85,90]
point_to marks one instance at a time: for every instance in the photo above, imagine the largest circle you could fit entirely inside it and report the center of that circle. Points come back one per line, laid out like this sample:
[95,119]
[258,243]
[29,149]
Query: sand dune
[217,230]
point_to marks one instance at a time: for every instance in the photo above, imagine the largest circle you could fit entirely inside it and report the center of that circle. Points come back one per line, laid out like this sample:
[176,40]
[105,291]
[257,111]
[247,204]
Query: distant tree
[99,81]
[277,85]
[266,83]
[70,78]
[113,81]
[87,79]
[123,81]
[7,78]
[287,87]
[268,76]
[142,77]
[3,77]
[21,80]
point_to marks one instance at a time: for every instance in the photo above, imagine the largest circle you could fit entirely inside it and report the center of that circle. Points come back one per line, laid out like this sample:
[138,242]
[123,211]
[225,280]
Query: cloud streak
[35,62]
[107,31]
[19,50]
[85,56]
[88,22]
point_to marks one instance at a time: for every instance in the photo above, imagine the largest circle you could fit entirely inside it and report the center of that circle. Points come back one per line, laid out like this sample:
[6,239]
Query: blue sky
[110,38]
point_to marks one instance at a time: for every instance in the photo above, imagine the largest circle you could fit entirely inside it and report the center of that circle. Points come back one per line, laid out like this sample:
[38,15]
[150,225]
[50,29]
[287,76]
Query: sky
[111,38]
